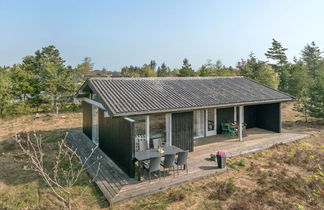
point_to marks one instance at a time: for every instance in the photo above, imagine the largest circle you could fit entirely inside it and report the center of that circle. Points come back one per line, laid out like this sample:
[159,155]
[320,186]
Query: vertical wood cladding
[182,130]
[87,119]
[265,116]
[250,116]
[269,117]
[115,139]
[224,115]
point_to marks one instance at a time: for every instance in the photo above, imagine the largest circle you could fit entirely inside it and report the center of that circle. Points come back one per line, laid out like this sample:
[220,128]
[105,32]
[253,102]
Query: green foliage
[213,157]
[186,70]
[236,164]
[5,91]
[21,82]
[277,53]
[85,67]
[163,71]
[259,71]
[311,56]
[316,94]
[217,69]
[148,70]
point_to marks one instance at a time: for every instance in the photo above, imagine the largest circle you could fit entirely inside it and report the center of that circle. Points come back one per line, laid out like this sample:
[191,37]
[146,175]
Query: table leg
[139,171]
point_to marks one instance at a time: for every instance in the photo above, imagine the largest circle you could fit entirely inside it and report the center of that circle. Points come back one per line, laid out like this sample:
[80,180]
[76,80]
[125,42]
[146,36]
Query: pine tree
[152,64]
[316,93]
[259,71]
[85,67]
[277,54]
[5,91]
[311,55]
[186,70]
[163,71]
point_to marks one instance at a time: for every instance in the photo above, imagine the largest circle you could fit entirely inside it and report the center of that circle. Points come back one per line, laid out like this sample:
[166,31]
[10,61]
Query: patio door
[211,121]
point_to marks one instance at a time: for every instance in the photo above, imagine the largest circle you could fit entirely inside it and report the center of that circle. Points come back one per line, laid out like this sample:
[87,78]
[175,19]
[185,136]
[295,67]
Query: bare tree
[66,170]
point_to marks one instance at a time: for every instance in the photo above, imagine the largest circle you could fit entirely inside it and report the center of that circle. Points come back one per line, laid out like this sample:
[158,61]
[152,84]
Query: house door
[182,130]
[95,127]
[211,122]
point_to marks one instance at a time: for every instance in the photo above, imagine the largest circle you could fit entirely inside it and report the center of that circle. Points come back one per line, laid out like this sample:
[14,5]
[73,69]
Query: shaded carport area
[265,116]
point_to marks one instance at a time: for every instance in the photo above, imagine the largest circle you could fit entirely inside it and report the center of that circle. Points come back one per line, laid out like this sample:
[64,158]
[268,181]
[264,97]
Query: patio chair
[232,131]
[182,160]
[224,128]
[142,145]
[156,143]
[168,163]
[153,166]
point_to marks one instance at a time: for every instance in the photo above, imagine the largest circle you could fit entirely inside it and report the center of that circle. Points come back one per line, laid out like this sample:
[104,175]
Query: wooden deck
[117,186]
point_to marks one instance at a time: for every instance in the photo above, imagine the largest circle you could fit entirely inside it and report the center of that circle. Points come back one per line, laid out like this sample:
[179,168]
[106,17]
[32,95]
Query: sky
[122,33]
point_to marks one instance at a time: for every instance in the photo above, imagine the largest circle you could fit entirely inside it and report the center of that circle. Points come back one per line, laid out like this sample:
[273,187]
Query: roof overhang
[201,107]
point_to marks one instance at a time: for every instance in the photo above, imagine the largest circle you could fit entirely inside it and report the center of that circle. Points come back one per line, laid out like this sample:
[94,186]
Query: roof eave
[202,107]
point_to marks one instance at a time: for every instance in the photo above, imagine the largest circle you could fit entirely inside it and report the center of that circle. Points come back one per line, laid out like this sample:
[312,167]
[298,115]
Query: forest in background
[44,83]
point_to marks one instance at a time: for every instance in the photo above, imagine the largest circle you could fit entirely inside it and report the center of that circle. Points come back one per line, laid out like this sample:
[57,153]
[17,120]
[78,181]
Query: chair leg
[186,168]
[149,177]
[178,169]
[159,175]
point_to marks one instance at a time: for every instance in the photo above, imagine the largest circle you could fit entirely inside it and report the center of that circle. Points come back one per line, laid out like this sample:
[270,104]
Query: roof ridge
[161,78]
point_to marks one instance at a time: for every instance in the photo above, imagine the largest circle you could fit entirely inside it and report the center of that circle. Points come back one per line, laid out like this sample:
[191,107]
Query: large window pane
[140,131]
[158,127]
[199,121]
[139,125]
[211,119]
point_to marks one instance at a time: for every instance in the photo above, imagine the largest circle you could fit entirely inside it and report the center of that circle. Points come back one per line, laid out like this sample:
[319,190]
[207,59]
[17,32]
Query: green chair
[225,128]
[232,131]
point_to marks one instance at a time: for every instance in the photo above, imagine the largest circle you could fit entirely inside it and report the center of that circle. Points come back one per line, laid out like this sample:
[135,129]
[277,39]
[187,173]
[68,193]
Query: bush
[176,195]
[222,190]
[237,164]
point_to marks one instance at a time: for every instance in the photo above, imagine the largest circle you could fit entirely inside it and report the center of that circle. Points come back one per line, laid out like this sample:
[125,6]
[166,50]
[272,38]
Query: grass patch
[222,190]
[236,165]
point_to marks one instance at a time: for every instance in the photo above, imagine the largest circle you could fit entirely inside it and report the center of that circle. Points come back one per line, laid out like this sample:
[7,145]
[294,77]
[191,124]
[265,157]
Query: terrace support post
[241,123]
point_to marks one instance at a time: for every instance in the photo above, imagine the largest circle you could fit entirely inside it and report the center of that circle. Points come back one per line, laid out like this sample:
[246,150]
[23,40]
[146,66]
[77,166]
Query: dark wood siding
[87,119]
[269,117]
[115,139]
[182,130]
[250,116]
[265,116]
[224,115]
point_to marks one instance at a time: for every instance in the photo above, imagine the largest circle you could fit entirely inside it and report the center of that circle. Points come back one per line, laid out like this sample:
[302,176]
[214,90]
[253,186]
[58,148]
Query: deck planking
[117,186]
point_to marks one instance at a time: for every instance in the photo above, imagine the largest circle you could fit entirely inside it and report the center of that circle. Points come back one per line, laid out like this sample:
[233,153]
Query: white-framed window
[211,122]
[95,124]
[155,126]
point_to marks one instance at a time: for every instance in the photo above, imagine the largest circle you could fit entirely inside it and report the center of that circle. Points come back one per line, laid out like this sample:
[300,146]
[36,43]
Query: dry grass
[23,189]
[272,179]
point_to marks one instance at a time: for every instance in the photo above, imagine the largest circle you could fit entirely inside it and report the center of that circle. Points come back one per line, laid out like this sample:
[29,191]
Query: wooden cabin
[120,112]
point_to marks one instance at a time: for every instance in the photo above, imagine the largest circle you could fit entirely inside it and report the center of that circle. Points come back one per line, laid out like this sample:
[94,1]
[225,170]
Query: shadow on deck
[117,186]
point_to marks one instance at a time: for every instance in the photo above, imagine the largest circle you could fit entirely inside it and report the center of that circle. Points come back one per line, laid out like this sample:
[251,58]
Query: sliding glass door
[211,122]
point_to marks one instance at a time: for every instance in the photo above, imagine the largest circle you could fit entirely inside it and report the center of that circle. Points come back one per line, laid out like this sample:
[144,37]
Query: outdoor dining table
[235,125]
[141,156]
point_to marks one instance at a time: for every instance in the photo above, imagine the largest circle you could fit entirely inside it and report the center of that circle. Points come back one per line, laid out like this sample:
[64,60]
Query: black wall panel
[182,130]
[269,117]
[250,116]
[265,116]
[115,139]
[87,119]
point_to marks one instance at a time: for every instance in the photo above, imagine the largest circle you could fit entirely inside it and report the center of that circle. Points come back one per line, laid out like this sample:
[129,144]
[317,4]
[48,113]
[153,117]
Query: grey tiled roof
[130,96]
